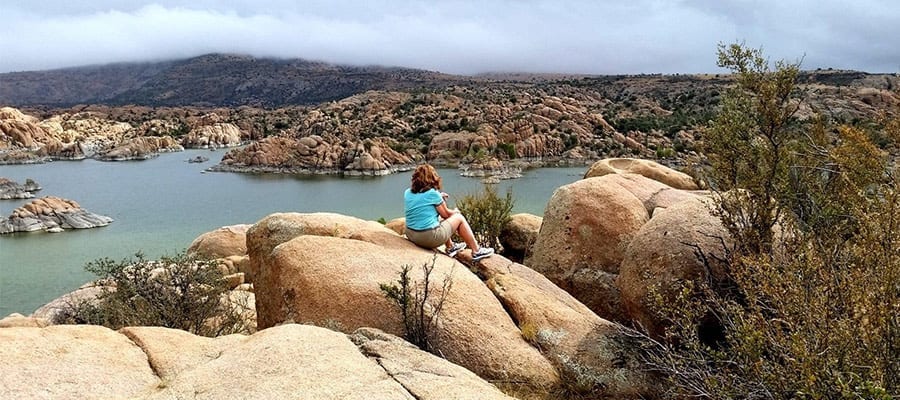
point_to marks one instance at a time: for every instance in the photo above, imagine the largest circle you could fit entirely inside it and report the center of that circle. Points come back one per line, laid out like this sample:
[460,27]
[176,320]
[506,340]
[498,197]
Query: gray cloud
[456,36]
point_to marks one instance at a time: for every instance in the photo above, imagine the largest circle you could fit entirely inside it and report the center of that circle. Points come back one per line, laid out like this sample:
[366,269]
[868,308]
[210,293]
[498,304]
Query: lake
[161,205]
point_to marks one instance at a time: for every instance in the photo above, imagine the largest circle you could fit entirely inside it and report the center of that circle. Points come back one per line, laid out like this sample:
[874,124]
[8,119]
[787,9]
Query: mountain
[209,80]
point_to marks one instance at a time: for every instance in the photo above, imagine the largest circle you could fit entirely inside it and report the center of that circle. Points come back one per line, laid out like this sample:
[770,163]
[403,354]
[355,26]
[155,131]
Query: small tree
[811,309]
[749,143]
[419,304]
[487,213]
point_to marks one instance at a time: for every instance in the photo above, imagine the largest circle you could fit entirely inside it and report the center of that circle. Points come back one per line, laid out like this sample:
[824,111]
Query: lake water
[161,205]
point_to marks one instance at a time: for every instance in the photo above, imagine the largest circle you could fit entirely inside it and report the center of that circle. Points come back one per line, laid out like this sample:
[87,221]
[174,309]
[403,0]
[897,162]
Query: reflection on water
[161,205]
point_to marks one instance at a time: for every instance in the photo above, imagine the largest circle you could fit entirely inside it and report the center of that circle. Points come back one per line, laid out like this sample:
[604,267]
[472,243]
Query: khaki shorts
[431,238]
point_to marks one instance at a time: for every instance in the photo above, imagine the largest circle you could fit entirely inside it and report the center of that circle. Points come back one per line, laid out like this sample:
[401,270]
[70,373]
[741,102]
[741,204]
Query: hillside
[209,80]
[299,116]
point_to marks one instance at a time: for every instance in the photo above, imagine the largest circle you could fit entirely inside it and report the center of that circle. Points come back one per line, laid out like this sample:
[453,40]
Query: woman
[425,205]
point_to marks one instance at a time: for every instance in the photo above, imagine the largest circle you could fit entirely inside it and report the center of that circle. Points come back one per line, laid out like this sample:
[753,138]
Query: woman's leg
[461,226]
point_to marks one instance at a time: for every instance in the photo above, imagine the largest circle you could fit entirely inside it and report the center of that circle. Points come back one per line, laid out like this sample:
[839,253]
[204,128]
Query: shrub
[507,149]
[419,305]
[487,213]
[665,152]
[810,308]
[175,292]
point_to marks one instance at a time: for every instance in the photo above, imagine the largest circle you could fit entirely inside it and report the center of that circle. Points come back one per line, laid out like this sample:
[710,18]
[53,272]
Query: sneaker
[483,252]
[455,249]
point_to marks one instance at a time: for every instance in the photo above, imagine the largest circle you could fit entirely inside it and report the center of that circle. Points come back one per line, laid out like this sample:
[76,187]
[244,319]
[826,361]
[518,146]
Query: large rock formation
[51,214]
[335,279]
[61,361]
[18,130]
[213,136]
[492,169]
[21,138]
[596,358]
[286,362]
[519,234]
[317,155]
[647,168]
[75,136]
[518,327]
[682,243]
[220,243]
[12,190]
[397,225]
[59,309]
[91,132]
[586,229]
[141,148]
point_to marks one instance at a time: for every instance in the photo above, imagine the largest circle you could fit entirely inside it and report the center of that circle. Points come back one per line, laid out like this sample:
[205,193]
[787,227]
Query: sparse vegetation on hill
[207,81]
[422,115]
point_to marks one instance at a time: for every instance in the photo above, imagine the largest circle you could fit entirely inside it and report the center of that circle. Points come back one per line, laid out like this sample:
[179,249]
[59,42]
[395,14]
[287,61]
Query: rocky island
[12,190]
[51,214]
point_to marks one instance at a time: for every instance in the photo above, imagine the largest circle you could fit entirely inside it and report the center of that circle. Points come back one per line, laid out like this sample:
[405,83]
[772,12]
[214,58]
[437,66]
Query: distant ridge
[208,80]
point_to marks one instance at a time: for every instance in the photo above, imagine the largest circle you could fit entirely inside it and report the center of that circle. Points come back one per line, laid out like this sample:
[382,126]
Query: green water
[161,205]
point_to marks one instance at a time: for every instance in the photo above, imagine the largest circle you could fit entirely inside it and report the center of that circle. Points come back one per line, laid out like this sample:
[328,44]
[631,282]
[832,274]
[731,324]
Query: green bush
[507,149]
[419,305]
[810,307]
[487,213]
[175,292]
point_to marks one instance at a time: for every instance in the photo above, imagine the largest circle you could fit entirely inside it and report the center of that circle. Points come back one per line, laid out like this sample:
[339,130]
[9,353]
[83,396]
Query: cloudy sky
[455,36]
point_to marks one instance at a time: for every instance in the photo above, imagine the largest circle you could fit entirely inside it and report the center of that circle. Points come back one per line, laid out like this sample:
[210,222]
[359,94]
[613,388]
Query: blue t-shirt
[420,212]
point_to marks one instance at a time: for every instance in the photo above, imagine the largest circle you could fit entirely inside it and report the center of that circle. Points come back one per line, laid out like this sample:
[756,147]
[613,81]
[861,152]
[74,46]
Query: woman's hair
[425,178]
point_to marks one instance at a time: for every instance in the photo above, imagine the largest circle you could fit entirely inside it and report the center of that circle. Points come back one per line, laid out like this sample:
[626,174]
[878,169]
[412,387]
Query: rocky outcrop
[51,214]
[75,136]
[424,375]
[646,168]
[682,243]
[519,234]
[141,148]
[327,269]
[21,138]
[12,190]
[19,156]
[586,229]
[92,132]
[87,362]
[288,361]
[457,144]
[159,127]
[516,326]
[397,225]
[316,155]
[491,168]
[16,320]
[213,136]
[56,311]
[21,131]
[596,358]
[197,159]
[221,243]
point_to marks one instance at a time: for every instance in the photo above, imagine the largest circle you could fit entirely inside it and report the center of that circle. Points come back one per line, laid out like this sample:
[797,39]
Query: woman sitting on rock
[425,205]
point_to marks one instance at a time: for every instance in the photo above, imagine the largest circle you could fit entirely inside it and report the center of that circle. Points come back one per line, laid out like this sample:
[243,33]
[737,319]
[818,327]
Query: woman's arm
[445,212]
